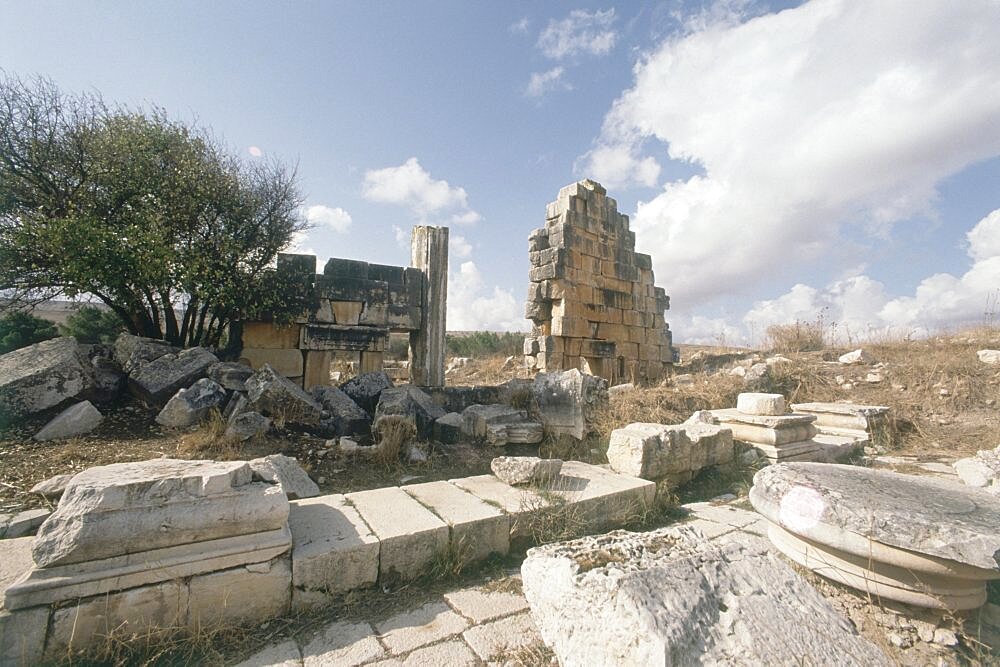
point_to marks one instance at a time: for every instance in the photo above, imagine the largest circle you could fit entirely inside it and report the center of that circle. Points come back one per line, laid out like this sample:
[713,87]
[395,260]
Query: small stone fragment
[71,422]
[53,487]
[189,406]
[518,470]
[26,523]
[761,404]
[246,425]
[858,356]
[286,471]
[989,356]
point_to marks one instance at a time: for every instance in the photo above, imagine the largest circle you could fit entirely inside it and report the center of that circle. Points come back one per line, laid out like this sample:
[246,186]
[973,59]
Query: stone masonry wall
[591,296]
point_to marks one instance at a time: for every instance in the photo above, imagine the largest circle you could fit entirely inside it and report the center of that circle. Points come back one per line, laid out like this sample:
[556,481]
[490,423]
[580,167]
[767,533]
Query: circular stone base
[877,578]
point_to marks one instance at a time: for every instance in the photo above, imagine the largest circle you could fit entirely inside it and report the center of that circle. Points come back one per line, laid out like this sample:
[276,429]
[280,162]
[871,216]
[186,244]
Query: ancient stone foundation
[357,305]
[591,296]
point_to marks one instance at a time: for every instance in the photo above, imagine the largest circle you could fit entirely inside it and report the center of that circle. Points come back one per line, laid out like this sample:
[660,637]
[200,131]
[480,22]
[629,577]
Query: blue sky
[837,157]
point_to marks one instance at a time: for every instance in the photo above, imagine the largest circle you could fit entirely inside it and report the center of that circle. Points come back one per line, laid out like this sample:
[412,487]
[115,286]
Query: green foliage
[148,214]
[19,329]
[486,343]
[92,325]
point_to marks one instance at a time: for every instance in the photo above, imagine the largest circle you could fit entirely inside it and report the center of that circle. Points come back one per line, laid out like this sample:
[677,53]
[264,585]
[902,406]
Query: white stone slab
[418,627]
[480,604]
[605,498]
[760,404]
[518,502]
[249,594]
[15,560]
[284,654]
[493,639]
[410,536]
[333,550]
[733,416]
[477,528]
[22,636]
[343,644]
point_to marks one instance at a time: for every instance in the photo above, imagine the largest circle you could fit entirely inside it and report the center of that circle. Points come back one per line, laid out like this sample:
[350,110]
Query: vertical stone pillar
[429,253]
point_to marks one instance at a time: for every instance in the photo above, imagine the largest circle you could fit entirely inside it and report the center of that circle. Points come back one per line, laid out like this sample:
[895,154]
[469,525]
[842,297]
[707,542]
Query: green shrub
[19,329]
[92,325]
[485,344]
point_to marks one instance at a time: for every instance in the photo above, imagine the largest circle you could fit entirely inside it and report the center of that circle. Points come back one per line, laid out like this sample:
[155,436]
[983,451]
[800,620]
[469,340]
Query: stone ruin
[358,305]
[591,297]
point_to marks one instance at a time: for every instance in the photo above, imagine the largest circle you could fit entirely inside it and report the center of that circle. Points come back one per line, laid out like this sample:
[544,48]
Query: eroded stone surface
[656,451]
[276,396]
[344,644]
[671,596]
[156,381]
[418,627]
[190,405]
[366,388]
[517,470]
[345,416]
[71,422]
[285,471]
[981,471]
[567,401]
[41,376]
[761,404]
[53,487]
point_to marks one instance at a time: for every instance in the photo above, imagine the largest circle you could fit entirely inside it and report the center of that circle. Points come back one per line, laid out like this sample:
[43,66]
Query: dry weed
[392,433]
[210,441]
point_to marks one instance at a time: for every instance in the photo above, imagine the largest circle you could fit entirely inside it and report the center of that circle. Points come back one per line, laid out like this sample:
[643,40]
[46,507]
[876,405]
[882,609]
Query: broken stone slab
[521,504]
[75,420]
[918,540]
[333,550]
[477,419]
[525,433]
[158,380]
[448,429]
[845,415]
[131,351]
[410,535]
[517,470]
[41,376]
[567,401]
[277,397]
[413,404]
[766,429]
[126,508]
[231,375]
[671,596]
[189,406]
[345,416]
[678,452]
[285,472]
[989,356]
[760,404]
[427,624]
[26,523]
[53,487]
[858,356]
[246,425]
[365,390]
[599,498]
[477,528]
[981,471]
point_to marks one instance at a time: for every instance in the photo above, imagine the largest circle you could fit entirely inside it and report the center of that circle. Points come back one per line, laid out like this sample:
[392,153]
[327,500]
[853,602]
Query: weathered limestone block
[333,550]
[286,473]
[345,416]
[189,406]
[847,416]
[448,429]
[230,375]
[761,404]
[131,352]
[287,362]
[477,529]
[41,376]
[410,536]
[22,636]
[858,356]
[478,419]
[989,356]
[246,425]
[656,451]
[567,401]
[248,594]
[526,433]
[280,398]
[25,522]
[767,429]
[268,336]
[75,420]
[516,470]
[126,508]
[53,487]
[366,388]
[918,540]
[409,402]
[158,380]
[981,471]
[673,597]
[520,503]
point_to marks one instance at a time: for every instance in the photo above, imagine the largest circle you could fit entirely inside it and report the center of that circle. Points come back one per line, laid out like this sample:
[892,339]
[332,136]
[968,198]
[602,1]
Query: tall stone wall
[591,297]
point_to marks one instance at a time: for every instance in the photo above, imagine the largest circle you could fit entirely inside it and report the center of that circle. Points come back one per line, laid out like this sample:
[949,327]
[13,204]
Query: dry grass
[392,433]
[797,337]
[210,441]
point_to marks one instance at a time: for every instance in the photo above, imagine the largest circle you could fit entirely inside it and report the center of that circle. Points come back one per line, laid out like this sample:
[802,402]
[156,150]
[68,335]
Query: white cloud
[402,237]
[860,306]
[801,122]
[544,82]
[581,32]
[459,247]
[701,330]
[410,185]
[520,27]
[619,166]
[474,307]
[300,244]
[336,219]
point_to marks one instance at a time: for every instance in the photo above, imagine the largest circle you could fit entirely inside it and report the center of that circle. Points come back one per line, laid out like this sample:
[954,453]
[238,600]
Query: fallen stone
[414,454]
[413,404]
[126,508]
[158,380]
[858,356]
[671,596]
[567,401]
[365,390]
[189,406]
[517,470]
[131,351]
[287,473]
[989,356]
[75,420]
[246,425]
[656,451]
[230,375]
[757,378]
[345,416]
[41,376]
[620,389]
[236,405]
[477,419]
[525,433]
[109,380]
[278,397]
[761,404]
[26,523]
[981,471]
[53,487]
[845,416]
[448,429]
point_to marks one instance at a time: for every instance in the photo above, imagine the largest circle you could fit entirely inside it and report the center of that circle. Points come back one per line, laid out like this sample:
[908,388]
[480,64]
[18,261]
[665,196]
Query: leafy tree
[149,215]
[19,329]
[92,325]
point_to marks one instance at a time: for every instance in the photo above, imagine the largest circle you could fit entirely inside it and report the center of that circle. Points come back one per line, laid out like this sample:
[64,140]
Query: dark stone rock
[41,376]
[344,416]
[366,388]
[410,402]
[278,397]
[230,374]
[157,381]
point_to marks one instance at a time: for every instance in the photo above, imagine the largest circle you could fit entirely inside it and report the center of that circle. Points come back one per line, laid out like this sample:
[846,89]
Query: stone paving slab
[490,640]
[605,497]
[477,528]
[519,503]
[285,654]
[455,653]
[343,644]
[481,605]
[411,537]
[418,627]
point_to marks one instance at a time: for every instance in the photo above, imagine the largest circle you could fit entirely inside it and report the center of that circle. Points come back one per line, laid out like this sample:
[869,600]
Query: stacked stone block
[591,297]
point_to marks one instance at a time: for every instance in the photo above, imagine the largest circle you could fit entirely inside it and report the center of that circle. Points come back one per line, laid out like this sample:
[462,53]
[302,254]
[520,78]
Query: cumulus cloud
[860,306]
[520,27]
[796,125]
[619,166]
[472,306]
[411,186]
[459,247]
[544,82]
[581,32]
[336,219]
